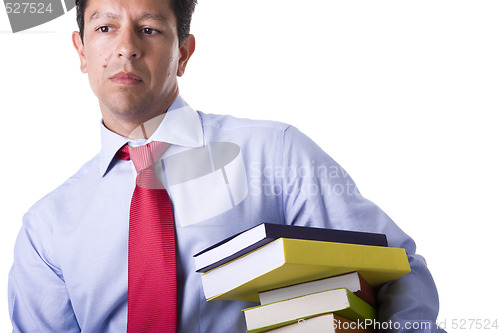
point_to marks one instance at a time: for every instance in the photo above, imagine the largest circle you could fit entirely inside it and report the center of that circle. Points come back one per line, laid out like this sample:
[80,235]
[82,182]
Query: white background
[403,94]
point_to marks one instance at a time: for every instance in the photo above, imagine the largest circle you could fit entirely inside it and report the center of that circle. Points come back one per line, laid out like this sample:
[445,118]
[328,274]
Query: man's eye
[104,29]
[150,31]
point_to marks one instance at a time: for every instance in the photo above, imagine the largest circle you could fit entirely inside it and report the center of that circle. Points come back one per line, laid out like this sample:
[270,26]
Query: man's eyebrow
[98,15]
[146,16]
[157,17]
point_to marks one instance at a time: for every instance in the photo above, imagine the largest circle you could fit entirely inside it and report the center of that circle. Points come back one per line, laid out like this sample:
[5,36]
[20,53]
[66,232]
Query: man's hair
[183,10]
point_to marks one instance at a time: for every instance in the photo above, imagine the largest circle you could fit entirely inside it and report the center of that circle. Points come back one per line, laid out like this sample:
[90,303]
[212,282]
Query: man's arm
[38,298]
[318,192]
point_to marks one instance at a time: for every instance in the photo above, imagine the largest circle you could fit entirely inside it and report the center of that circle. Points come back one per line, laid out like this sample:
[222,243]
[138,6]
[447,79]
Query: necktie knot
[144,159]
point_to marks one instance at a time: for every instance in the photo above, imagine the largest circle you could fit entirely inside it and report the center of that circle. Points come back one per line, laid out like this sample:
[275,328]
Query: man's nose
[128,44]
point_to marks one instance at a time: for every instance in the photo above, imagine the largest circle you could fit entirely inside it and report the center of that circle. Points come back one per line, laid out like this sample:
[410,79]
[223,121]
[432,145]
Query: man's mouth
[126,78]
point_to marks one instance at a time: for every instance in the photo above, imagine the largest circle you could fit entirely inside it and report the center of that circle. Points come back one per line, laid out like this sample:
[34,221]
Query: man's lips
[126,78]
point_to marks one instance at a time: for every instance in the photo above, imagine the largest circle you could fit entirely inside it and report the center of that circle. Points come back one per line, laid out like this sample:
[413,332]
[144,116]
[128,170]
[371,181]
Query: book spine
[275,231]
[366,292]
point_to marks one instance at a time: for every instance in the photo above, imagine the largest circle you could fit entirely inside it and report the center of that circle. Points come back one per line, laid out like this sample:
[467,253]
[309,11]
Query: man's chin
[126,103]
[127,108]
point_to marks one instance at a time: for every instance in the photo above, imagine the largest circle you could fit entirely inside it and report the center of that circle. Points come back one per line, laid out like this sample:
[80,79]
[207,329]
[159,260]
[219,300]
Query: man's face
[132,56]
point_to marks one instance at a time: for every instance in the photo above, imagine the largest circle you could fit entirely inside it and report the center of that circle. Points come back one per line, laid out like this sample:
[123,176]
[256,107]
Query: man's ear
[78,44]
[186,51]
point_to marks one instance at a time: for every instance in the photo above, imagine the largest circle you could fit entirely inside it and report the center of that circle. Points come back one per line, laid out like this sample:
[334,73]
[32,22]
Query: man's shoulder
[71,187]
[259,132]
[227,122]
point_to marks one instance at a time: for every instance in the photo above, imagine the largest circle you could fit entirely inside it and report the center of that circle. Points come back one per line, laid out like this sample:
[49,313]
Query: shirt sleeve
[38,298]
[318,192]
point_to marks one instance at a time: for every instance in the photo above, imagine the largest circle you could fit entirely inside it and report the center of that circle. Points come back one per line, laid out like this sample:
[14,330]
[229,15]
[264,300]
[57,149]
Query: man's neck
[146,129]
[135,127]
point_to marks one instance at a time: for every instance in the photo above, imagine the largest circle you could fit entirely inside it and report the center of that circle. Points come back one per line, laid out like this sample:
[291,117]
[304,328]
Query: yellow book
[284,262]
[340,301]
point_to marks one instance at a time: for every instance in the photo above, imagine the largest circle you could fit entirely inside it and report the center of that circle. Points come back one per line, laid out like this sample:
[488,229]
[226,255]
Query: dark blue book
[255,237]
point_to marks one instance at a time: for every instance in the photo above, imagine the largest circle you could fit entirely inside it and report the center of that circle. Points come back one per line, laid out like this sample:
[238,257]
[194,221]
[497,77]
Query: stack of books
[306,279]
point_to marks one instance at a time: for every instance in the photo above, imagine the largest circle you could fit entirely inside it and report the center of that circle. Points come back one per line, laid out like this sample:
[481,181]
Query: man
[72,270]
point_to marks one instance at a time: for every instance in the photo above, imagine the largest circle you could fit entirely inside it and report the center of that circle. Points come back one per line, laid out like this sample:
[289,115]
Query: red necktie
[152,280]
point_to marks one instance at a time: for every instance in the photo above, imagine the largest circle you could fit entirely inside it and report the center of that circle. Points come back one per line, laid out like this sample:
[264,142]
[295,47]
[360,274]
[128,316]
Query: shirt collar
[180,126]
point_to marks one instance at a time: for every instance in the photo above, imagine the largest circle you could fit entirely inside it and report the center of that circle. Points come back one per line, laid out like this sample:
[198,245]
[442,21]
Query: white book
[352,281]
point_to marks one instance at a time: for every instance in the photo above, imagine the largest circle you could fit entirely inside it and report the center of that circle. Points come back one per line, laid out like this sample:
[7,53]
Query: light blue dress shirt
[224,175]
